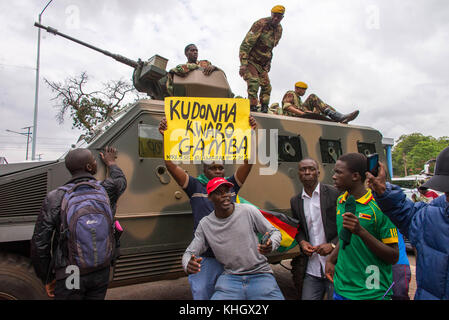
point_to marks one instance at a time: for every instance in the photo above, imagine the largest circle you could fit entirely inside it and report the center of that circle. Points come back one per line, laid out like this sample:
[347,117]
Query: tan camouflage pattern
[312,104]
[256,52]
[275,108]
[254,81]
[259,42]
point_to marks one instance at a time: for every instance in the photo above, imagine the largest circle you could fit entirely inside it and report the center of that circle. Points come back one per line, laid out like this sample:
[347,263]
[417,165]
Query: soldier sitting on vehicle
[191,52]
[292,105]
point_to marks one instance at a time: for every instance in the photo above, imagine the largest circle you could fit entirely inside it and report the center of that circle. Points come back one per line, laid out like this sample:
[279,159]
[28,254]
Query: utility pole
[28,134]
[36,94]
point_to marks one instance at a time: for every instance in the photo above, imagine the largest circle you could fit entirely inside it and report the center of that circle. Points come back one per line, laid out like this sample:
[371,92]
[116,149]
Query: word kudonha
[194,110]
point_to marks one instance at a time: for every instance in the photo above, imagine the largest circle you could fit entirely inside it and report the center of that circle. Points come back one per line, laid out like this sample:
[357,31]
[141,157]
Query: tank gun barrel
[117,57]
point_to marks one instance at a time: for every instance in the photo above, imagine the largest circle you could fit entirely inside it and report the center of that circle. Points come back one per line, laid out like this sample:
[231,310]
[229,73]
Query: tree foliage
[88,109]
[412,151]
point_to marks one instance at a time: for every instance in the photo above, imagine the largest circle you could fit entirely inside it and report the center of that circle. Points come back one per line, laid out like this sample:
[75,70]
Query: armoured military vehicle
[154,211]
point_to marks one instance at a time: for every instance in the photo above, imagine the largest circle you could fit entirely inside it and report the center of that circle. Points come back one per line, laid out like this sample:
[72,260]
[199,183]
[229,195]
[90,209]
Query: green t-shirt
[359,273]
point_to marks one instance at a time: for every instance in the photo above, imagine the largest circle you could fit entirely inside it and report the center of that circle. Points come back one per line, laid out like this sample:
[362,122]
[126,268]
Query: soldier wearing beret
[256,52]
[292,105]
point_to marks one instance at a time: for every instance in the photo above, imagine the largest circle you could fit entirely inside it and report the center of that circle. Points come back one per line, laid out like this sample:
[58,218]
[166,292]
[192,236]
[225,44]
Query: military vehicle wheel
[18,281]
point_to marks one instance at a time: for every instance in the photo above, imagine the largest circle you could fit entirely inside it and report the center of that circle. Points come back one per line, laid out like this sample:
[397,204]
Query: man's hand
[329,271]
[108,156]
[194,265]
[307,248]
[50,289]
[378,184]
[324,249]
[265,248]
[352,223]
[209,69]
[242,70]
[252,123]
[162,126]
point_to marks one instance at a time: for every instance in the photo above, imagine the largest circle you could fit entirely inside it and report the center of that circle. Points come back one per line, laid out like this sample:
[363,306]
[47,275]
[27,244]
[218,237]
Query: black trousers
[92,286]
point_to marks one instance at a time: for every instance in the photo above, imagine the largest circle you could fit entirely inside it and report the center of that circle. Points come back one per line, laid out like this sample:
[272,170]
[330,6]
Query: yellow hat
[278,9]
[300,84]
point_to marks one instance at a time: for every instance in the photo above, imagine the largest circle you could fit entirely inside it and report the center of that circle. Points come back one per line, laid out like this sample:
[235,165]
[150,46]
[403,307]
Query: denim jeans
[401,278]
[260,286]
[314,288]
[202,284]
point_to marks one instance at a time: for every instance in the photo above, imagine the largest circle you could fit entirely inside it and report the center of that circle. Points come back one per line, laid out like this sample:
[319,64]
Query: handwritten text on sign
[207,129]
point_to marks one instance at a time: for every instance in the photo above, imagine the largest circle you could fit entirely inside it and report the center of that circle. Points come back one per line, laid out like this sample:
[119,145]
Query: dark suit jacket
[328,204]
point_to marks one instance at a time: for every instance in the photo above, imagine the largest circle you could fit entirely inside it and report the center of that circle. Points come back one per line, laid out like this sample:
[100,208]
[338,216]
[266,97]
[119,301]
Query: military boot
[339,117]
[264,108]
[351,116]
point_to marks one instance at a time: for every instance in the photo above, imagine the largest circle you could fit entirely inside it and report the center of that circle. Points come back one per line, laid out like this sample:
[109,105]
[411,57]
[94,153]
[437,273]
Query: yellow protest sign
[210,129]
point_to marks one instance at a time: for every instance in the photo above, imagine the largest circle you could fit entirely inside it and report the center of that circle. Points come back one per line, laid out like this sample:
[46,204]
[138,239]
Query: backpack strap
[84,183]
[63,210]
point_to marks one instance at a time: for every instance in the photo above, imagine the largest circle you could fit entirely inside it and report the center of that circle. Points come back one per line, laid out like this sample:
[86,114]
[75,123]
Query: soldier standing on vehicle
[256,52]
[292,105]
[182,70]
[51,252]
[202,284]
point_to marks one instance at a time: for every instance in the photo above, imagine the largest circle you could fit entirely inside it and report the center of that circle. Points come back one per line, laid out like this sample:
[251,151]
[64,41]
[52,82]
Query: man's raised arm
[176,171]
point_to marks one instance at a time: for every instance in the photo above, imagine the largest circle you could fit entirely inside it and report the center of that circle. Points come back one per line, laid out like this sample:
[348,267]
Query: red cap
[213,184]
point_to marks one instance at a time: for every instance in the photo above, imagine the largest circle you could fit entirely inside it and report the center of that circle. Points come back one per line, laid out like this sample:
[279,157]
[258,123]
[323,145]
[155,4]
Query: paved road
[179,289]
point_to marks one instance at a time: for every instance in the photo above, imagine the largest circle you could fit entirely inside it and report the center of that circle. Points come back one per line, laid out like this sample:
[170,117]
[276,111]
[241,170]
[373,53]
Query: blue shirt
[403,259]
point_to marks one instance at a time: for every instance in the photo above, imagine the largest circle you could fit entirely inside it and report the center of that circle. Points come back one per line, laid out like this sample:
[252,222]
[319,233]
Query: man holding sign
[202,284]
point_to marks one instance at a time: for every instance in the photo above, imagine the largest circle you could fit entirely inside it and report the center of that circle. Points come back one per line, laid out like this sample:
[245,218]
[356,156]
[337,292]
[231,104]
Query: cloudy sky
[389,59]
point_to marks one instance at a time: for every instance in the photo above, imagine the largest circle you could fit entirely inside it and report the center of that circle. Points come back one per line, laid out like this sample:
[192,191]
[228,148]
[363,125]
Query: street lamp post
[36,95]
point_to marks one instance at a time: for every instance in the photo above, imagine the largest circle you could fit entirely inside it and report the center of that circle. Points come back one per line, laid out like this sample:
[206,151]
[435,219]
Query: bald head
[80,160]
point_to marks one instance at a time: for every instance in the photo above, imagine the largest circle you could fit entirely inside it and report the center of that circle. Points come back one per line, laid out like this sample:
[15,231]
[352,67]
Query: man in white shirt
[317,234]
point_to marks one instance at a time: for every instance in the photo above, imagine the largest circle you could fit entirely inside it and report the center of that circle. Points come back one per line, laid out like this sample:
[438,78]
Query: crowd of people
[349,234]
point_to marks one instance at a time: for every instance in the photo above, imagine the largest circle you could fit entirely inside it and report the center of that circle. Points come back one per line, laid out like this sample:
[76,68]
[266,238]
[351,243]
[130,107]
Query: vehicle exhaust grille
[23,197]
[148,265]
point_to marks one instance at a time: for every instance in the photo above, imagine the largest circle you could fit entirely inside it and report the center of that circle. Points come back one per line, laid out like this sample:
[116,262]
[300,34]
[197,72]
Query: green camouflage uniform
[312,104]
[256,53]
[275,108]
[182,70]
